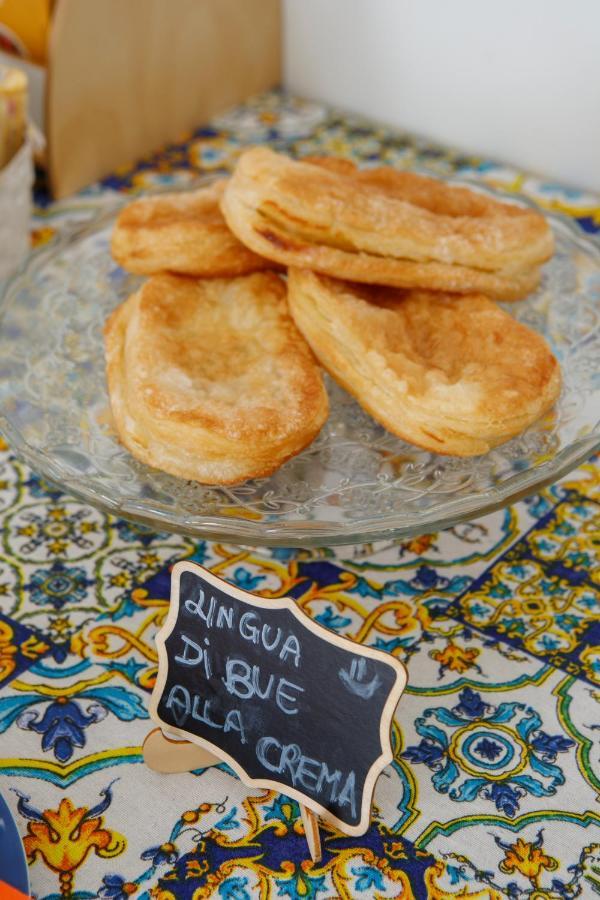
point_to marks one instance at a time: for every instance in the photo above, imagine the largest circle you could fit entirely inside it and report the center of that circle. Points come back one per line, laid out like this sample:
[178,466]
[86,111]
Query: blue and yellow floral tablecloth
[493,791]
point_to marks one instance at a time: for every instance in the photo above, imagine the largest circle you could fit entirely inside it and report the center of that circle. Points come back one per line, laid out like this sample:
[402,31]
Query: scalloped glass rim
[252,528]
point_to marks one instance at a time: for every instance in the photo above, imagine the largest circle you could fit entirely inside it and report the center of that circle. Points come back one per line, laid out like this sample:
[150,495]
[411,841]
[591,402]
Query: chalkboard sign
[285,702]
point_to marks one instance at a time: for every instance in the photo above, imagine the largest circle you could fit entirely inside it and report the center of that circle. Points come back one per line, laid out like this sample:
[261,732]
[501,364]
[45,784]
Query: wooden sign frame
[324,634]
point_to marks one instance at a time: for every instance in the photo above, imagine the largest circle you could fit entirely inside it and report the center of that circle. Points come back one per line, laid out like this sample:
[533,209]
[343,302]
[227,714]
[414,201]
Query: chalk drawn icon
[355,679]
[286,703]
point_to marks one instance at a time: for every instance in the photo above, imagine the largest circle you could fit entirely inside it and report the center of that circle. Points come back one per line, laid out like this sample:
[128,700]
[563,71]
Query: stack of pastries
[386,279]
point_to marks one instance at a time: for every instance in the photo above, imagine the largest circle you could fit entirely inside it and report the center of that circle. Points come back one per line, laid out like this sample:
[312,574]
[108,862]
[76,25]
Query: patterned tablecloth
[493,791]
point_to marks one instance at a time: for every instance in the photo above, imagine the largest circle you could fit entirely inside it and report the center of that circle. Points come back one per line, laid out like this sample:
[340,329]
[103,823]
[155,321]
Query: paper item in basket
[13,112]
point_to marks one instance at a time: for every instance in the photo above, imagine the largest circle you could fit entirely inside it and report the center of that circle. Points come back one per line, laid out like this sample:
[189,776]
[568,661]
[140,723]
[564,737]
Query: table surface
[493,789]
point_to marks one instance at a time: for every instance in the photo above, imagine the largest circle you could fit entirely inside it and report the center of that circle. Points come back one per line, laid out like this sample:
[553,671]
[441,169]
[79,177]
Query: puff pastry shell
[454,375]
[210,379]
[183,232]
[382,226]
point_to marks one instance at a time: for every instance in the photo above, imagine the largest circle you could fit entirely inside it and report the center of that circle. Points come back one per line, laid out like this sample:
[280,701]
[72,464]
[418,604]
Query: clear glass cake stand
[355,483]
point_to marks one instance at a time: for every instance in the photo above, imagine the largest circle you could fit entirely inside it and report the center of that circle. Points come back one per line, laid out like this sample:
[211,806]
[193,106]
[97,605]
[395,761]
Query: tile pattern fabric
[493,789]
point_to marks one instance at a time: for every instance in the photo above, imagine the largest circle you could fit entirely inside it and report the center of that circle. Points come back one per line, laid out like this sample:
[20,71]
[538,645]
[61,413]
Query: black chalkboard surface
[286,703]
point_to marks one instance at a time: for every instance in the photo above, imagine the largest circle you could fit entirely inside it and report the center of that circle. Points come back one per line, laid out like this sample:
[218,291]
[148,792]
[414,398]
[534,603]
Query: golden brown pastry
[210,379]
[455,375]
[382,226]
[182,232]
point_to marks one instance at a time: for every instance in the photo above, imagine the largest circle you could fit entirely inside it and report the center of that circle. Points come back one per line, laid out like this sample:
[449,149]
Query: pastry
[183,232]
[210,380]
[382,226]
[454,375]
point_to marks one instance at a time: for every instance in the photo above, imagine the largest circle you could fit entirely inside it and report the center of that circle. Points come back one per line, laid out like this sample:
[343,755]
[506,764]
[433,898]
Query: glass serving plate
[354,483]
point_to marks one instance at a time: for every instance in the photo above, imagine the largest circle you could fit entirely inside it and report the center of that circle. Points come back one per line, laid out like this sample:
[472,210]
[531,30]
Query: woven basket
[16,180]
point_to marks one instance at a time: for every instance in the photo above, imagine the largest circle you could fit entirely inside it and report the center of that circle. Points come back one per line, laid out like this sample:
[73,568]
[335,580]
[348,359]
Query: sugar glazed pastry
[454,375]
[210,380]
[184,233]
[382,226]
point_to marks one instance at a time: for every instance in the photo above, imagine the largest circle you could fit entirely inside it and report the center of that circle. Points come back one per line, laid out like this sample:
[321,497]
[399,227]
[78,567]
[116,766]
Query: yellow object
[13,112]
[24,27]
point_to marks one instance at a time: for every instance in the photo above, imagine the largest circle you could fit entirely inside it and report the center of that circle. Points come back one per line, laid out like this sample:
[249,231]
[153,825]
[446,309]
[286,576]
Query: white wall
[516,80]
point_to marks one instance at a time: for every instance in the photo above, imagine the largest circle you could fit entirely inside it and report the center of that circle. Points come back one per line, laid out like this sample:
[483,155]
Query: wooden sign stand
[261,686]
[311,830]
[171,757]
